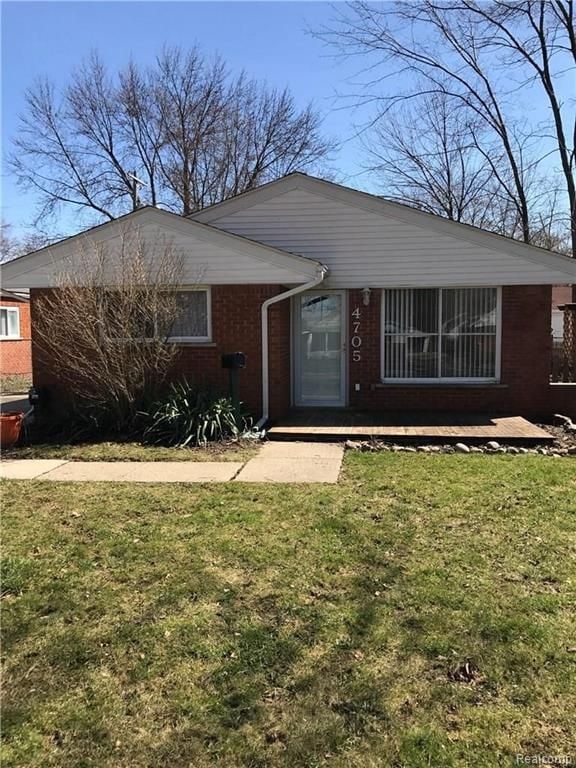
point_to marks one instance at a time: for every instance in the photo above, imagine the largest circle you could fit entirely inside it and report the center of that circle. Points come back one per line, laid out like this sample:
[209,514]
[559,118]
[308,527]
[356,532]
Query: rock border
[492,447]
[563,430]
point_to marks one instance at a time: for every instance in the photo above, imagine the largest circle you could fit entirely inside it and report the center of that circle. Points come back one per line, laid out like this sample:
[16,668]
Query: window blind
[439,333]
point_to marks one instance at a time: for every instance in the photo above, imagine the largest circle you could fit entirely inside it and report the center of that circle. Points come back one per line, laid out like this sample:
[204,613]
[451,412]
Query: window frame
[197,339]
[11,336]
[441,380]
[179,339]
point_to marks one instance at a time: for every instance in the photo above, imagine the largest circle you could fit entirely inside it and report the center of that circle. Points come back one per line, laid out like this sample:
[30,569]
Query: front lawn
[420,613]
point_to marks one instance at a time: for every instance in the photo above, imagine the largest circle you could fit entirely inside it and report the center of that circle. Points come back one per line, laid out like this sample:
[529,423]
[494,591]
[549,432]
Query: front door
[319,344]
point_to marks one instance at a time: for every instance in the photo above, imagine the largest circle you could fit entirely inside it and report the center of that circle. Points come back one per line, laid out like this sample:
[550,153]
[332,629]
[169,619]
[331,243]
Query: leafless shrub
[105,329]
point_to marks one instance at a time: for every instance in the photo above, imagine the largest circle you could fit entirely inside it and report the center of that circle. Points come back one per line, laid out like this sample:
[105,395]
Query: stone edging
[492,447]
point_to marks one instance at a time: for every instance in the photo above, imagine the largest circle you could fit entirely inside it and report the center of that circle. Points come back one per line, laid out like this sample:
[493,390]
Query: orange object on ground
[10,426]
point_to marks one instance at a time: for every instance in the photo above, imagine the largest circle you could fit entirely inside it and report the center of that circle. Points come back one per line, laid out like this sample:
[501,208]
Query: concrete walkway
[121,471]
[275,463]
[27,469]
[285,462]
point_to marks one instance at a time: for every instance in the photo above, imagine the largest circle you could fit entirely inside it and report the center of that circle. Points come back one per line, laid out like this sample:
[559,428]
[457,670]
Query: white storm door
[319,349]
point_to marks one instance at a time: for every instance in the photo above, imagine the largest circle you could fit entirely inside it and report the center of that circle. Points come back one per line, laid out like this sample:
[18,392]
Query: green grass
[132,452]
[271,626]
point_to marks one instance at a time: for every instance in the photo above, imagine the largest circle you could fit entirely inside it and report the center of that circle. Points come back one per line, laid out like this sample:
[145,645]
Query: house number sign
[356,339]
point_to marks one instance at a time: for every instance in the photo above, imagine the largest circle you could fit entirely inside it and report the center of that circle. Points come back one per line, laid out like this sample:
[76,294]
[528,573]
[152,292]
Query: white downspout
[320,275]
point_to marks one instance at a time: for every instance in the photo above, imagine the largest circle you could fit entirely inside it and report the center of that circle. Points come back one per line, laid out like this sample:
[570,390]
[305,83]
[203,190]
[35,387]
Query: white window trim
[12,336]
[449,379]
[197,339]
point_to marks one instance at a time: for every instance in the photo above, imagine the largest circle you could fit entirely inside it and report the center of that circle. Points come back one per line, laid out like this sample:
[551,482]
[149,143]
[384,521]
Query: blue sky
[267,39]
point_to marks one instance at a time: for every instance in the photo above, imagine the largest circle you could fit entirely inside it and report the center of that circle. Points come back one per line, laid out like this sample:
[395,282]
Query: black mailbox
[234,360]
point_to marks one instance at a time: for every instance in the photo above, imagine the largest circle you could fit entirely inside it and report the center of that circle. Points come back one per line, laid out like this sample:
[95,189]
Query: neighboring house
[15,337]
[340,298]
[561,294]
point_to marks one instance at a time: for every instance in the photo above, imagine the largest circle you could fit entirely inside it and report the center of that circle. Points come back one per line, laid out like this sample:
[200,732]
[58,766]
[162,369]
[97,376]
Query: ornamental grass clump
[190,415]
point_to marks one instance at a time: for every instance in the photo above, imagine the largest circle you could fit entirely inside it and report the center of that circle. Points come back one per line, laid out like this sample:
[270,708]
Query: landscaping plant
[190,415]
[106,330]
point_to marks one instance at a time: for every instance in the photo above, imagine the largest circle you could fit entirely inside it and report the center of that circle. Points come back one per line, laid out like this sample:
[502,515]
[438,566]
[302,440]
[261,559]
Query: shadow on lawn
[279,677]
[284,694]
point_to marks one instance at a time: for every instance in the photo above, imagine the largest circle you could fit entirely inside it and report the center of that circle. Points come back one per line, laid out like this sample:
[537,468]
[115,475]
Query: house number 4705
[356,339]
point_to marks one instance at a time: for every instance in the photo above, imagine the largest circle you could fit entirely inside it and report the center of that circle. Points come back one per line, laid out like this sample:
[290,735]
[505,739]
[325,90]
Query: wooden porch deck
[344,424]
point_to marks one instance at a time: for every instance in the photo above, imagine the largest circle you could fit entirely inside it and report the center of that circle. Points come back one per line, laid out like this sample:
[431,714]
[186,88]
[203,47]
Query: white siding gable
[209,256]
[365,241]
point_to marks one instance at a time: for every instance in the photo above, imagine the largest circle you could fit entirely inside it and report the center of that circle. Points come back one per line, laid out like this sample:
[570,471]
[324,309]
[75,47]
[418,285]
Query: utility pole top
[136,182]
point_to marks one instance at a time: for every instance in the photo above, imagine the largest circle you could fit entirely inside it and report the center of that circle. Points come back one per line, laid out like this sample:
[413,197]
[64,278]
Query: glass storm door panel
[319,349]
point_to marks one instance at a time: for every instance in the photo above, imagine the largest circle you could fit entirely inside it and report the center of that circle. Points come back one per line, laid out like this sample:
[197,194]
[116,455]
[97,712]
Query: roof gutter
[321,273]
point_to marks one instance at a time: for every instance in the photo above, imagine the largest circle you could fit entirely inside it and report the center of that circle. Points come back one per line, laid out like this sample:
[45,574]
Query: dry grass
[15,384]
[294,626]
[105,451]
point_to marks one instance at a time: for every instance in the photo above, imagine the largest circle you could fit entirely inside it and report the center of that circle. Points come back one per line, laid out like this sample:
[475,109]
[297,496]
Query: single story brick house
[15,335]
[341,299]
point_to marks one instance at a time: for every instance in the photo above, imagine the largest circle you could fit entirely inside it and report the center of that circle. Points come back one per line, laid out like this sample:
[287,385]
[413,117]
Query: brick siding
[236,327]
[525,362]
[16,354]
[526,348]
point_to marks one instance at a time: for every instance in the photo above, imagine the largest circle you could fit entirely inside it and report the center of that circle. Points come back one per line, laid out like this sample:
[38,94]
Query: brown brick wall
[526,350]
[236,327]
[16,354]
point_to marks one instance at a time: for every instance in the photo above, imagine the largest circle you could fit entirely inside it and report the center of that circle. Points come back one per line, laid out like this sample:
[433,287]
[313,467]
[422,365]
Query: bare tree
[425,155]
[105,329]
[141,127]
[266,136]
[12,246]
[8,245]
[482,59]
[191,96]
[183,134]
[535,35]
